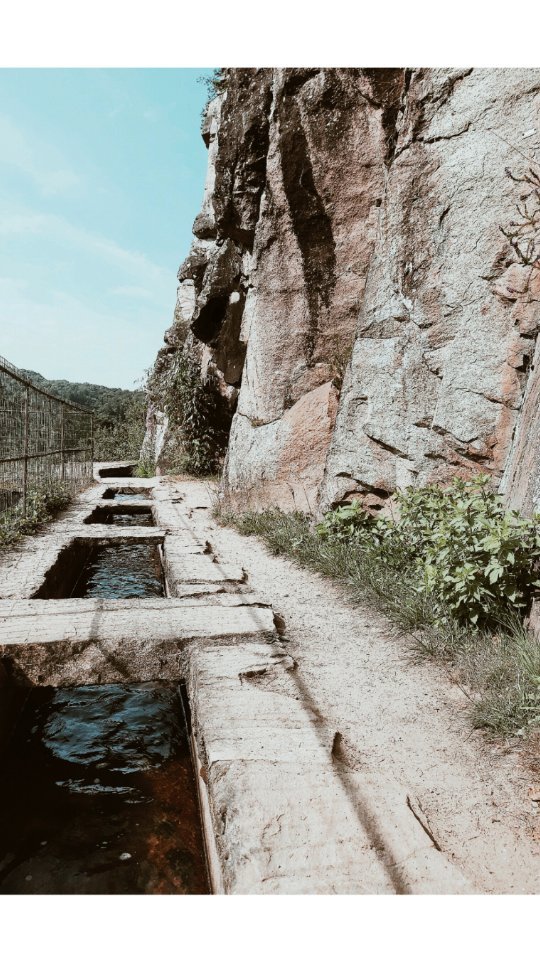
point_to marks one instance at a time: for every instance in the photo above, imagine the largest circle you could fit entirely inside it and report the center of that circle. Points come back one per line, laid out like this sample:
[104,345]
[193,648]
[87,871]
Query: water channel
[97,789]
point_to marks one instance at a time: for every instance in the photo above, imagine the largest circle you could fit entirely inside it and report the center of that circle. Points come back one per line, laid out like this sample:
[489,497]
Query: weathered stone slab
[232,597]
[107,532]
[129,505]
[215,589]
[166,492]
[288,815]
[186,542]
[112,465]
[63,642]
[183,568]
[169,515]
[95,620]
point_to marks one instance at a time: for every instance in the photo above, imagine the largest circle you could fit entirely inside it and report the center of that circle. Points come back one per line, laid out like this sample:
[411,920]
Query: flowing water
[121,571]
[126,493]
[98,795]
[128,519]
[122,518]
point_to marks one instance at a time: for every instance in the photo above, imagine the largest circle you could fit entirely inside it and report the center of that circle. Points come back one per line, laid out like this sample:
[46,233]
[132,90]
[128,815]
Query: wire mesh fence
[46,444]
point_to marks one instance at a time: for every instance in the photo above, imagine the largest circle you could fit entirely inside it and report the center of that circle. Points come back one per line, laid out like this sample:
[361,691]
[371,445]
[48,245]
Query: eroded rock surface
[349,293]
[443,345]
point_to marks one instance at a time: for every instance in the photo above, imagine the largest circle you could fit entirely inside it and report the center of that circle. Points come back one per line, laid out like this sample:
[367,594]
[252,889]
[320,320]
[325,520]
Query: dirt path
[401,726]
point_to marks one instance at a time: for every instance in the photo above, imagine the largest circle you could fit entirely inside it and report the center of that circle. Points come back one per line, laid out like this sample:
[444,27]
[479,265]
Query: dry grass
[42,507]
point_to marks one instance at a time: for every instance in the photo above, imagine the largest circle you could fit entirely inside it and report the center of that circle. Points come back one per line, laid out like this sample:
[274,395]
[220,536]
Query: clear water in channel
[133,520]
[98,795]
[97,792]
[121,571]
[123,518]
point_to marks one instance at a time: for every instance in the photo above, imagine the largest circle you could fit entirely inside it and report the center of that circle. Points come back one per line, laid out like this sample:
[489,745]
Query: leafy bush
[352,522]
[473,559]
[193,409]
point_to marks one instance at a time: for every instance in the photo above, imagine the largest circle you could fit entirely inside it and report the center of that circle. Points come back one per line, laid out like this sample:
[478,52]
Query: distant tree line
[119,423]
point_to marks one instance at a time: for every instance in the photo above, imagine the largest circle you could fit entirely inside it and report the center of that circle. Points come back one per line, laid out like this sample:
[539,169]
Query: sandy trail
[402,725]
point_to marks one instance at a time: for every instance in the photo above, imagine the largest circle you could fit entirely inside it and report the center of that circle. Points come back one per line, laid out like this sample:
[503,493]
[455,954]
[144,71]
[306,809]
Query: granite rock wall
[350,291]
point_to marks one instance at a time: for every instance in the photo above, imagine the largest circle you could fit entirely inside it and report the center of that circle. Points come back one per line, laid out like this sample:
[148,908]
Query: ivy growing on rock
[196,412]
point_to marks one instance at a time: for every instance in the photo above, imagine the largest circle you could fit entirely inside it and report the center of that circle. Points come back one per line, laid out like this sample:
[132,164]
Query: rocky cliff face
[354,301]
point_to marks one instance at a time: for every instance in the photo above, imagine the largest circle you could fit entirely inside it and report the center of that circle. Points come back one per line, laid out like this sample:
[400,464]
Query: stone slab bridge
[282,812]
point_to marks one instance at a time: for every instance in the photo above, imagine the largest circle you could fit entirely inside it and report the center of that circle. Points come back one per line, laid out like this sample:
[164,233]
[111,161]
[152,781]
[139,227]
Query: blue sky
[101,176]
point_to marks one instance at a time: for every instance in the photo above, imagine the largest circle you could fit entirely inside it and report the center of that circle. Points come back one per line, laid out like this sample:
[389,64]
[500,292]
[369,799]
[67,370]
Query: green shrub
[475,560]
[352,522]
[121,438]
[41,506]
[499,667]
[214,85]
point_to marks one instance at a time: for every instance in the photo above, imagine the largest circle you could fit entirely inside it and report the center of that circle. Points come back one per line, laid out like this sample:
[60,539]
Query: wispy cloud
[37,160]
[78,304]
[61,335]
[136,293]
[152,114]
[61,230]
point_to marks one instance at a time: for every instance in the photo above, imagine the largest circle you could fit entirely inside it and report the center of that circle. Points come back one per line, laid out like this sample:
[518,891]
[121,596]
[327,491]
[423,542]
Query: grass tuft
[145,468]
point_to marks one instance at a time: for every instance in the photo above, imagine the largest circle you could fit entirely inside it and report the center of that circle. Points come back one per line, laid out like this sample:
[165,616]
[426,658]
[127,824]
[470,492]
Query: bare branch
[523,235]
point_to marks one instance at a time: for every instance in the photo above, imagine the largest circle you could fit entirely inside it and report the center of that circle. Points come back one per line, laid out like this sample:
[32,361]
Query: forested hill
[109,403]
[120,414]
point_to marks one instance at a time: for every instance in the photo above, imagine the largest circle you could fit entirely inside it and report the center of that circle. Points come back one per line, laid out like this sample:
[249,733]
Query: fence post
[32,429]
[26,432]
[62,444]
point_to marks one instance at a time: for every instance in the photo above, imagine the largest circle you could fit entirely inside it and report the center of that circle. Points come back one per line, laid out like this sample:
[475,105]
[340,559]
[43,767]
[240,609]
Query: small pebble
[29,877]
[125,856]
[43,843]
